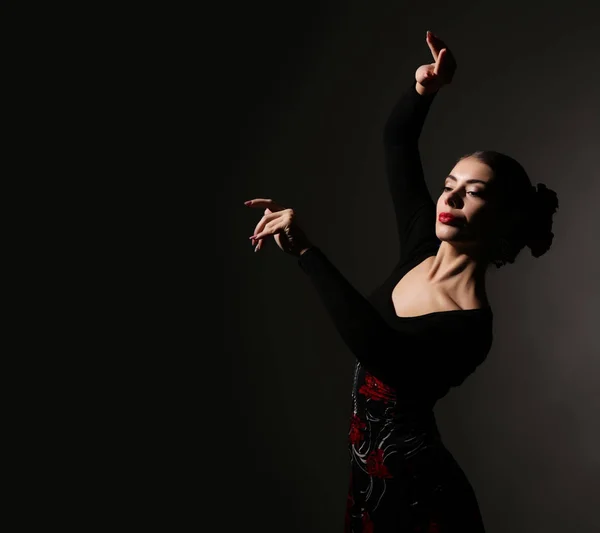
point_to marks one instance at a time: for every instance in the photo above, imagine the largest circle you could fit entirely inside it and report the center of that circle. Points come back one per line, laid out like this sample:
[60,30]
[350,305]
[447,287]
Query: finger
[270,229]
[264,202]
[259,246]
[448,67]
[432,45]
[435,44]
[436,41]
[263,222]
[440,61]
[429,71]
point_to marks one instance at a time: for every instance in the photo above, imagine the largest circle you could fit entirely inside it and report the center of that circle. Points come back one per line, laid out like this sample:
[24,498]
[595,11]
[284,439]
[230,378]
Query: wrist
[422,90]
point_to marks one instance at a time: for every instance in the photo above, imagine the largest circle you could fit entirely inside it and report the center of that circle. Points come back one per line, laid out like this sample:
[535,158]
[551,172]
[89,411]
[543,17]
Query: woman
[429,325]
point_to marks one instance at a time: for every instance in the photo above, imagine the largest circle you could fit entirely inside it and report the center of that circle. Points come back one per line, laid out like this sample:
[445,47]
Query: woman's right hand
[282,224]
[432,76]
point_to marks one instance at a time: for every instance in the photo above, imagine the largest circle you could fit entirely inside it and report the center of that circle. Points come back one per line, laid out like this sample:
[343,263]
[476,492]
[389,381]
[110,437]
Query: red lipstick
[447,218]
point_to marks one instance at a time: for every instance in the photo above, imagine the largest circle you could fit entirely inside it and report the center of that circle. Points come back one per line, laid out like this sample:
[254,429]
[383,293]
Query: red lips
[447,218]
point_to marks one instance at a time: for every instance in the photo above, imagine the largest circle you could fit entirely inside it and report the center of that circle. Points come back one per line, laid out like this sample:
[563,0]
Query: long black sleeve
[413,206]
[412,352]
[375,344]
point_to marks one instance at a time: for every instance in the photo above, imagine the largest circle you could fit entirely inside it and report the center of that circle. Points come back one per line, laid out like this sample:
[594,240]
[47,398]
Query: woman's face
[466,194]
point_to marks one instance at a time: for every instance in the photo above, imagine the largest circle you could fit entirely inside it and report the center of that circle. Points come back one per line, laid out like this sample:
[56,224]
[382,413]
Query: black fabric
[403,478]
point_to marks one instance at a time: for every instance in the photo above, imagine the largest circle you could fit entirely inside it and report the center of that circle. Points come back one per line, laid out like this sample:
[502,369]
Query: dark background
[182,378]
[299,93]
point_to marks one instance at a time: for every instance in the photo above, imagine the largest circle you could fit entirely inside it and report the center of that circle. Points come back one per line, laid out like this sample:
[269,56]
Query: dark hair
[530,211]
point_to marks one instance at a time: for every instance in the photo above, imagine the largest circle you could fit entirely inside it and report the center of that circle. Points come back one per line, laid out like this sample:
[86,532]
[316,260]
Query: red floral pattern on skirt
[377,390]
[375,466]
[356,425]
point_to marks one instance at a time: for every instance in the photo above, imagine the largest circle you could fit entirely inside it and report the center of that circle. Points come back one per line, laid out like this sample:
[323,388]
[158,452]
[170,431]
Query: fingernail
[248,202]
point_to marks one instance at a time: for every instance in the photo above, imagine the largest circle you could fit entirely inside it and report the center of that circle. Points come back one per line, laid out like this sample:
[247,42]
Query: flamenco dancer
[428,326]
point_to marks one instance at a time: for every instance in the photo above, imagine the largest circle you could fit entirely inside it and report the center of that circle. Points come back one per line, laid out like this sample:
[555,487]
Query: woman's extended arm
[381,349]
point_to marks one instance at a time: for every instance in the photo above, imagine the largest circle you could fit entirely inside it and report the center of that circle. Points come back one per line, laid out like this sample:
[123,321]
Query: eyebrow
[467,181]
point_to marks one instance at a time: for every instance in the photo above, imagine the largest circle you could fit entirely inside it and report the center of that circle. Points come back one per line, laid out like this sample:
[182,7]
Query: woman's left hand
[432,76]
[279,222]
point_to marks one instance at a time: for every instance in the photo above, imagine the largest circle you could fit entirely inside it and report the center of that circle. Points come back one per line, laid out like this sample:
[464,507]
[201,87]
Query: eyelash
[472,192]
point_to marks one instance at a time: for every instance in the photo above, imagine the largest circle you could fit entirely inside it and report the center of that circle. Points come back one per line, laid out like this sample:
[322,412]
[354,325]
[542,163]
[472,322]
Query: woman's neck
[460,273]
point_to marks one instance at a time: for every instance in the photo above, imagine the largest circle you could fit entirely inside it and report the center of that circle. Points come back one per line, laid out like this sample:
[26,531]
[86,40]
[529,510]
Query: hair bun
[547,199]
[544,204]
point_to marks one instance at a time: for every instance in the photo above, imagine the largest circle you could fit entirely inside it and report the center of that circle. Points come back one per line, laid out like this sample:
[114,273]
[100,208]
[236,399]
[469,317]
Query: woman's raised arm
[413,206]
